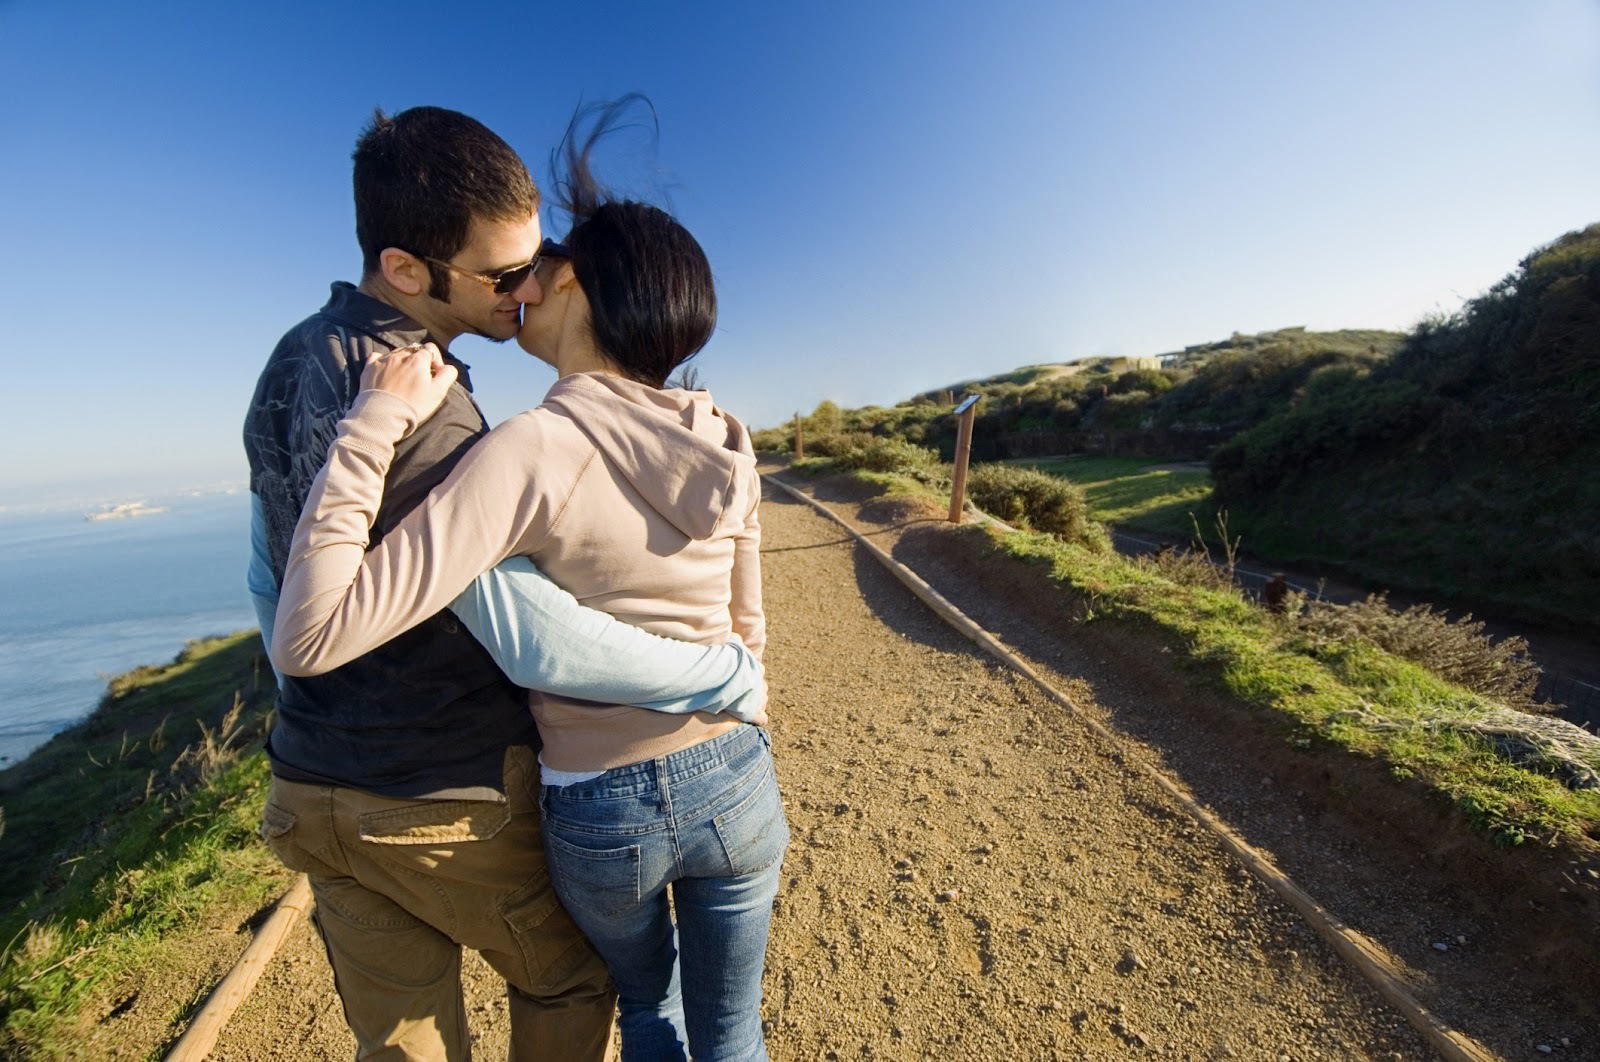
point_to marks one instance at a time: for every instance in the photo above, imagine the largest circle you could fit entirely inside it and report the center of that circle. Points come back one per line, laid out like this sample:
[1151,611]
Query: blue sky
[894,196]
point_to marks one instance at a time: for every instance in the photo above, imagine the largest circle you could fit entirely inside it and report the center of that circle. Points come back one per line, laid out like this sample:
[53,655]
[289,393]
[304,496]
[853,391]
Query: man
[405,782]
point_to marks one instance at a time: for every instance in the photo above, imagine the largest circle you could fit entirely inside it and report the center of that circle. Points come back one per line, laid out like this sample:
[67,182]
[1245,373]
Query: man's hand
[417,374]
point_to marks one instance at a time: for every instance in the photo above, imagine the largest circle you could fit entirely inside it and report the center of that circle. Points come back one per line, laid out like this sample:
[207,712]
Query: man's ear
[403,271]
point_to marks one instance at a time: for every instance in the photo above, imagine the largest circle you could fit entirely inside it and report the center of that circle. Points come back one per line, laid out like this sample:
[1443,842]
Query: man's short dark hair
[421,178]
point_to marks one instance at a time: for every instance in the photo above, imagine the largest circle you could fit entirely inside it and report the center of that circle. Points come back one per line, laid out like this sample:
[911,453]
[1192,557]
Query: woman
[640,500]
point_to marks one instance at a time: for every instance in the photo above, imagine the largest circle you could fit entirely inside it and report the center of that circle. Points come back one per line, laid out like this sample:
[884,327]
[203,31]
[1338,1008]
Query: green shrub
[1028,498]
[869,453]
[835,443]
[1459,466]
[773,440]
[826,419]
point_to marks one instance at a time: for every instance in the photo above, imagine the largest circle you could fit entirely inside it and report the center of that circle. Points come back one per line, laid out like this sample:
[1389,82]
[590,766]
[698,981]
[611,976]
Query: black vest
[428,714]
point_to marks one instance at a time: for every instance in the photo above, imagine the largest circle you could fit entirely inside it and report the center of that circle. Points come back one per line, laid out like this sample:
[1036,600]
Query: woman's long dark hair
[652,302]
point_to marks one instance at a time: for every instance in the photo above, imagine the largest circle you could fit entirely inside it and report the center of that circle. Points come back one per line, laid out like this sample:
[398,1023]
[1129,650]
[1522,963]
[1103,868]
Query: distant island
[125,511]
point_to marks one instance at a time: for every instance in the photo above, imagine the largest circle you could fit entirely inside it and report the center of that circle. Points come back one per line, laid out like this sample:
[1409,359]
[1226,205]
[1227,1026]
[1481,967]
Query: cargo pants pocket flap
[275,822]
[529,906]
[435,822]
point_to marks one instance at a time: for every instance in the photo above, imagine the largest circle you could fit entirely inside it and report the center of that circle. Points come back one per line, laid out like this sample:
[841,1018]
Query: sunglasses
[508,280]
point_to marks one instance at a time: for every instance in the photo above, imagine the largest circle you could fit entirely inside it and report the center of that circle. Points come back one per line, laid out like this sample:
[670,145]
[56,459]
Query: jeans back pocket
[593,881]
[754,832]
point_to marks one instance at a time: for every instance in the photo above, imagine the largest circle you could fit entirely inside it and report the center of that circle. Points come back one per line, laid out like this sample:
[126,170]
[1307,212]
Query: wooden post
[968,409]
[799,439]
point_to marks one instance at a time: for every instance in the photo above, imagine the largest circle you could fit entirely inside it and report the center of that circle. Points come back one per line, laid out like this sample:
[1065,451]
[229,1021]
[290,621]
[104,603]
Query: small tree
[826,419]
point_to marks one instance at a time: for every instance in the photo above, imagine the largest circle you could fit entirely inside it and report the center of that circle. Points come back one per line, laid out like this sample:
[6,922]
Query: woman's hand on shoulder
[417,373]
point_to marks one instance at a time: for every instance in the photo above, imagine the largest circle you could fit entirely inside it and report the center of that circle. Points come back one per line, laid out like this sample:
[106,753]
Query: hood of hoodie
[691,462]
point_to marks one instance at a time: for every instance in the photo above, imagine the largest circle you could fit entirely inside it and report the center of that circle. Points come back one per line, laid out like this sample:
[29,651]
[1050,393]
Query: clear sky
[894,196]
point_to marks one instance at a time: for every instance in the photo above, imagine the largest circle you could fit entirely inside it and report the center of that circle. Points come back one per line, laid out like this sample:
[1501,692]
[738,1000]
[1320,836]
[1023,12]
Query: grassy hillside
[1181,404]
[1464,465]
[1457,461]
[125,838]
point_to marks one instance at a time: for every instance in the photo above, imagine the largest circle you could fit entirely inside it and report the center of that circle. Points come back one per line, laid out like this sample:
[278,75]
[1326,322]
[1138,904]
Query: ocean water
[86,600]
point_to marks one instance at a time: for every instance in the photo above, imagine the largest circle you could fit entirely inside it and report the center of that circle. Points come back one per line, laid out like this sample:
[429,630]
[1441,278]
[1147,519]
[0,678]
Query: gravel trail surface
[973,874]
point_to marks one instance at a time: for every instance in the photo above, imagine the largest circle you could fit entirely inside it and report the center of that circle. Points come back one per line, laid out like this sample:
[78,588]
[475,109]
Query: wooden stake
[799,439]
[958,485]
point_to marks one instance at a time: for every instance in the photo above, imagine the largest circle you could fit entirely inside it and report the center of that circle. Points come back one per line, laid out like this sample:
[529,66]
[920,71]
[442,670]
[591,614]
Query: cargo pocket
[277,828]
[555,953]
[435,822]
[526,909]
[276,822]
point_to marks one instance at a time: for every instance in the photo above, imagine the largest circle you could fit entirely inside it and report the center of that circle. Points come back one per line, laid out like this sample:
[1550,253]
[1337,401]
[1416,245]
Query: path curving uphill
[973,874]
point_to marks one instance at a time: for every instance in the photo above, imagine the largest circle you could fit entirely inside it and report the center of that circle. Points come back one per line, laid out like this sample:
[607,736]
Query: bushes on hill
[1029,498]
[868,453]
[1019,496]
[1240,385]
[1463,466]
[1341,412]
[837,443]
[1195,400]
[773,440]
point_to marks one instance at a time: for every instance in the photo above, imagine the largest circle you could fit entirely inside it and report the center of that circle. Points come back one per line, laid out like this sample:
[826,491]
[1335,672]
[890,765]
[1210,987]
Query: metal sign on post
[968,412]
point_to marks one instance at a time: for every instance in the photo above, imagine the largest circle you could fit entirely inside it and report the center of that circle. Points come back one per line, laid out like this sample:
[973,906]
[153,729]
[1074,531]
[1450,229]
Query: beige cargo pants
[402,885]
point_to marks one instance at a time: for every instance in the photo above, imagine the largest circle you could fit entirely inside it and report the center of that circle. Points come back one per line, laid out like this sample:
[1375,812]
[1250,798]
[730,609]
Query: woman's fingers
[416,373]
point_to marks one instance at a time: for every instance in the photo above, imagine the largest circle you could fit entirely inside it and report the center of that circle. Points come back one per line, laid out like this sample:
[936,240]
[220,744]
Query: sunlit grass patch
[1135,492]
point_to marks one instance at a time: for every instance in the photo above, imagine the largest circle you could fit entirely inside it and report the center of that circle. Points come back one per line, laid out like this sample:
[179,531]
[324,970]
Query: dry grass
[1456,650]
[1186,567]
[218,749]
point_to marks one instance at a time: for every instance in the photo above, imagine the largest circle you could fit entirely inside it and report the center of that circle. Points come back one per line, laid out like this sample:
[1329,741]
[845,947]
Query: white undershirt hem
[551,776]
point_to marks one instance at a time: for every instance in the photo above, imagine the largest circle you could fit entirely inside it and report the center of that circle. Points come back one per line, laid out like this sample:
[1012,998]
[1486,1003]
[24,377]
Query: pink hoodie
[640,502]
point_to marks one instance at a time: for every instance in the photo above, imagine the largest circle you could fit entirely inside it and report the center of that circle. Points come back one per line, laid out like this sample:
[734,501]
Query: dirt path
[972,874]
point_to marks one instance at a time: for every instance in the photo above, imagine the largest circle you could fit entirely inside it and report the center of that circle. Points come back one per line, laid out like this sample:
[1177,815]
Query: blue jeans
[708,821]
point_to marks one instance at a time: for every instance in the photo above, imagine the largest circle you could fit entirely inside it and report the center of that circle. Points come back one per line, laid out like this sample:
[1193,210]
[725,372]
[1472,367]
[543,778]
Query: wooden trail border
[201,1036]
[1367,957]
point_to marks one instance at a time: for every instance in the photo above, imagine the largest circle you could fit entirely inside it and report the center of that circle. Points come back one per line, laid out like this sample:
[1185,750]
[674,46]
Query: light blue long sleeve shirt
[544,639]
